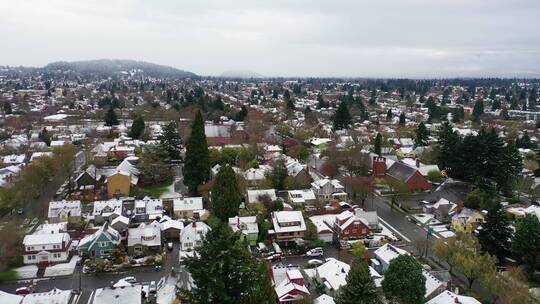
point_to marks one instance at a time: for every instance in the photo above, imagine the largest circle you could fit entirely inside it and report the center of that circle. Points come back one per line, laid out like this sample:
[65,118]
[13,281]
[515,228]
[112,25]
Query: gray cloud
[382,38]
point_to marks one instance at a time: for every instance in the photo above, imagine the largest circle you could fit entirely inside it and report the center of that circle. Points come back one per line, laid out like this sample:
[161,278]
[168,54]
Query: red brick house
[348,226]
[409,175]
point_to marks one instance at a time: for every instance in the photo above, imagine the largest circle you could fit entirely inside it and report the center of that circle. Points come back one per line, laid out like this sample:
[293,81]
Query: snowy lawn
[62,269]
[26,272]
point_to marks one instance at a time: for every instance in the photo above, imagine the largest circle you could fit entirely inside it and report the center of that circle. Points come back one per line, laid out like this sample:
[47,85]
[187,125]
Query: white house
[326,189]
[193,235]
[302,197]
[148,208]
[255,196]
[186,207]
[49,244]
[332,275]
[144,236]
[62,211]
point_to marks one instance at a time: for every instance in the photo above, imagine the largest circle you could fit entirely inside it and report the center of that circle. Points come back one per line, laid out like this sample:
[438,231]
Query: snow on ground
[167,293]
[27,272]
[170,193]
[63,269]
[386,232]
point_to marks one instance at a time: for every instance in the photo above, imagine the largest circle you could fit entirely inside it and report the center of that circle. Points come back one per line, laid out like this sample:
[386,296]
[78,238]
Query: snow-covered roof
[145,234]
[288,221]
[334,273]
[388,252]
[324,299]
[187,203]
[253,195]
[73,208]
[448,297]
[55,296]
[123,295]
[40,239]
[246,224]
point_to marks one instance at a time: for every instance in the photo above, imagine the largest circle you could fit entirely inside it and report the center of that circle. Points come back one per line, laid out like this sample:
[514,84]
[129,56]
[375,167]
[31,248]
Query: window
[29,248]
[105,252]
[103,244]
[31,257]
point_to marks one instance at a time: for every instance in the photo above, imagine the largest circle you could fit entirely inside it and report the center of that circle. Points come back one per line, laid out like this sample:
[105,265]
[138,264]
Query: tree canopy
[404,281]
[342,119]
[110,117]
[226,196]
[171,141]
[359,287]
[137,128]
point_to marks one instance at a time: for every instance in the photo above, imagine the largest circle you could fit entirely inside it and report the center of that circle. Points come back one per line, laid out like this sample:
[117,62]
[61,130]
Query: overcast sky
[356,38]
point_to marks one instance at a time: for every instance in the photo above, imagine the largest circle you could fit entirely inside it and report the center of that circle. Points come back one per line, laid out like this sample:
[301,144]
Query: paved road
[395,218]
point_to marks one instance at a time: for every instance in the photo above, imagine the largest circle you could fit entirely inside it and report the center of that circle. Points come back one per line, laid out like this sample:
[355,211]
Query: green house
[100,244]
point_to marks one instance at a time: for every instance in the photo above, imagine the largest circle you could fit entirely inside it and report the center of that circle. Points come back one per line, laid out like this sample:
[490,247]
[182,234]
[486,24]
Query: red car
[23,291]
[274,257]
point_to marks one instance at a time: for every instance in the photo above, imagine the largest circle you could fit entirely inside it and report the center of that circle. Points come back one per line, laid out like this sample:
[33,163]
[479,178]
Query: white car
[131,280]
[315,262]
[315,252]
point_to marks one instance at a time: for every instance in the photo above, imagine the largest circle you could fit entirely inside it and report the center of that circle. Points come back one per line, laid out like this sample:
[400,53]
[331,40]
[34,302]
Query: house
[255,176]
[409,175]
[423,168]
[13,159]
[119,184]
[148,209]
[370,217]
[49,244]
[100,244]
[433,285]
[257,196]
[186,207]
[7,174]
[297,170]
[348,226]
[64,211]
[324,224]
[466,219]
[384,255]
[324,299]
[302,197]
[248,227]
[54,296]
[289,285]
[448,297]
[441,210]
[170,229]
[288,225]
[272,152]
[146,237]
[106,210]
[193,235]
[120,224]
[130,294]
[332,275]
[326,189]
[88,179]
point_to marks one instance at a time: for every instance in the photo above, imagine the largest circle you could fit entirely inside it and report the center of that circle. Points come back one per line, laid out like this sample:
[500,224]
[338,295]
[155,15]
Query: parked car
[131,280]
[23,291]
[315,252]
[274,257]
[315,262]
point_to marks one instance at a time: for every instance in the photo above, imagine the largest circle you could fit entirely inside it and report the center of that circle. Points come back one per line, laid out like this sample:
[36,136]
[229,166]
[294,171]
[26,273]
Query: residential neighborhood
[128,182]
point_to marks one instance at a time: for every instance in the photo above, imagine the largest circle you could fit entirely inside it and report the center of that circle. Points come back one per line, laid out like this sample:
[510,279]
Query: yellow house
[119,183]
[467,220]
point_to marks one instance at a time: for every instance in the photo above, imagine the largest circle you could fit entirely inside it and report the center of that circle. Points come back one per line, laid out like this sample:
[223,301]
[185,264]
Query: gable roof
[401,171]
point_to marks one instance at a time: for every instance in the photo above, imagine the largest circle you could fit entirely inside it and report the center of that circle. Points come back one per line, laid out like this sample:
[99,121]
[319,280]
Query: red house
[289,285]
[348,226]
[410,176]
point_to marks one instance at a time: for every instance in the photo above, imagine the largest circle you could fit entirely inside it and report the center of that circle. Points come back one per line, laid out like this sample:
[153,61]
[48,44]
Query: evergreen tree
[422,135]
[137,128]
[342,119]
[402,118]
[526,242]
[478,110]
[197,164]
[389,114]
[226,196]
[378,144]
[290,104]
[241,115]
[7,108]
[45,136]
[360,288]
[110,118]
[508,165]
[496,105]
[286,95]
[496,232]
[504,114]
[448,142]
[278,174]
[224,272]
[154,167]
[171,141]
[404,282]
[218,104]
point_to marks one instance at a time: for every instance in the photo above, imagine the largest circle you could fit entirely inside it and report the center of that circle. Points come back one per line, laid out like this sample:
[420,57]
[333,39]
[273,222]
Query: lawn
[154,191]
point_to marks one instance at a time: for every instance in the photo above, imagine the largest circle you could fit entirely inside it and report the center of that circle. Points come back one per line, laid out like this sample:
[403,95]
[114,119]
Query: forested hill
[106,67]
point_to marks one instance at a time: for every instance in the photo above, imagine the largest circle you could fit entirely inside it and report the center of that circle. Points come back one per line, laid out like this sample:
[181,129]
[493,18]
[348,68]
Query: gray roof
[401,171]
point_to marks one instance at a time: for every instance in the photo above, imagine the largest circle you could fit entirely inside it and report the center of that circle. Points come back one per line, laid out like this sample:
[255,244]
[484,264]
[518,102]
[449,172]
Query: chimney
[238,220]
[194,224]
[417,163]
